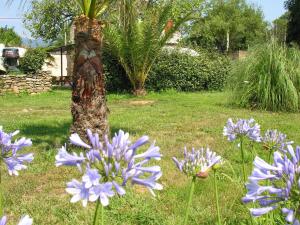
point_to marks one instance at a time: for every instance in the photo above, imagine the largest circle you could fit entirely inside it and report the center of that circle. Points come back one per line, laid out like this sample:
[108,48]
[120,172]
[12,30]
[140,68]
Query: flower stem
[97,214]
[185,222]
[243,159]
[102,214]
[217,198]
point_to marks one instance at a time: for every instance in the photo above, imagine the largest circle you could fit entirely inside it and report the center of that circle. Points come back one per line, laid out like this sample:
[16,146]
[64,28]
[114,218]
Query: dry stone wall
[31,83]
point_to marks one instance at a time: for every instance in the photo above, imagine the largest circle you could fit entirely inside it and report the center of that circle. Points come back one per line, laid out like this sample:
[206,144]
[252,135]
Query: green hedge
[33,60]
[115,76]
[179,71]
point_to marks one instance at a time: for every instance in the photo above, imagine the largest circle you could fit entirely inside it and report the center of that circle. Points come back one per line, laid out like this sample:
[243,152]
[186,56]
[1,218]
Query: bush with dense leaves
[33,60]
[175,70]
[183,72]
[269,78]
[115,76]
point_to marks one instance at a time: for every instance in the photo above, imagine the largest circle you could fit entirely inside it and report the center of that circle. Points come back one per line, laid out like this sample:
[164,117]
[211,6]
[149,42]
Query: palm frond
[140,35]
[93,8]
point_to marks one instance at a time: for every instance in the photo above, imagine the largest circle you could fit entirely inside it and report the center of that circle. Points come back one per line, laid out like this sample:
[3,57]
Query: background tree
[50,19]
[293,28]
[9,37]
[228,25]
[279,29]
[140,34]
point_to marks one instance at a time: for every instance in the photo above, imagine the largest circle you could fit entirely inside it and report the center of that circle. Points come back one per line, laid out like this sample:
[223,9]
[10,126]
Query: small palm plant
[140,34]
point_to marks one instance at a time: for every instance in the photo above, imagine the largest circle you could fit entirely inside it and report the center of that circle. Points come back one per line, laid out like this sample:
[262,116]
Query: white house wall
[55,65]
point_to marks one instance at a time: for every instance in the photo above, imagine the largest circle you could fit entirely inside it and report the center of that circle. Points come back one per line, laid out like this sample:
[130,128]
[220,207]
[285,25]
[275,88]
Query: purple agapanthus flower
[197,162]
[10,152]
[242,128]
[25,220]
[109,166]
[274,140]
[277,185]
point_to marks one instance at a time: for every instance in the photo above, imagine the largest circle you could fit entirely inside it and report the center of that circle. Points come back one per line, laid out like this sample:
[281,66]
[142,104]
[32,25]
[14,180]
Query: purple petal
[76,140]
[3,220]
[66,159]
[261,211]
[120,190]
[25,220]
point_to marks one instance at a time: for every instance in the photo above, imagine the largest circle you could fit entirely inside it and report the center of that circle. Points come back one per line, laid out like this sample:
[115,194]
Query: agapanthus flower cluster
[10,152]
[274,140]
[25,220]
[109,166]
[277,185]
[197,162]
[242,128]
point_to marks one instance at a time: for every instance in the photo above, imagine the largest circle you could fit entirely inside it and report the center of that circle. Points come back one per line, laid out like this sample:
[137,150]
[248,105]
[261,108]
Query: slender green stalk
[270,156]
[97,214]
[185,222]
[102,214]
[243,159]
[217,198]
[271,214]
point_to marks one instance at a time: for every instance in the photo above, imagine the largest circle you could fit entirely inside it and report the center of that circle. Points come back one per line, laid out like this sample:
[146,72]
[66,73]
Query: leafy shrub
[115,76]
[268,78]
[172,71]
[183,72]
[33,60]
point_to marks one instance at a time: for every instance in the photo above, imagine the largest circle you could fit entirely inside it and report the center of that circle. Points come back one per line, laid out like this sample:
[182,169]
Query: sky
[272,9]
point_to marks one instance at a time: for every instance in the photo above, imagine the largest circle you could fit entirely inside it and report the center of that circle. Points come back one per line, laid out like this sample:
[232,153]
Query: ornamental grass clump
[14,161]
[240,131]
[276,186]
[108,167]
[198,164]
[268,78]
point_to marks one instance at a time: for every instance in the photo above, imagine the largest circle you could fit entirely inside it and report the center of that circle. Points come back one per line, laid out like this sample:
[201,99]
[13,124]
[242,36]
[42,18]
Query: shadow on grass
[114,130]
[47,135]
[55,135]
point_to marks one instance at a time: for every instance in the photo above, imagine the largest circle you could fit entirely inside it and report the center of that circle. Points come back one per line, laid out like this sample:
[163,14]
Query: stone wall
[31,84]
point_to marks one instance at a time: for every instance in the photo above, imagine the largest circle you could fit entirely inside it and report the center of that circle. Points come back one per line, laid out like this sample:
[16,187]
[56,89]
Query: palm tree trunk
[89,110]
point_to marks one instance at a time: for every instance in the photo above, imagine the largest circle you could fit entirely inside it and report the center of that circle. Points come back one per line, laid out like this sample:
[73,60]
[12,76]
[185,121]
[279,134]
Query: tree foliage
[48,19]
[9,37]
[229,23]
[33,60]
[293,29]
[51,19]
[280,28]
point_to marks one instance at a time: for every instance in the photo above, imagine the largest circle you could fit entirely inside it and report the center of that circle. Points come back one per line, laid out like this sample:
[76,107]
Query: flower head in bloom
[10,152]
[197,162]
[25,220]
[242,128]
[109,166]
[277,185]
[274,140]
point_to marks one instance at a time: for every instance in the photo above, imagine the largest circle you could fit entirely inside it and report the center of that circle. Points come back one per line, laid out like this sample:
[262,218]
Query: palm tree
[142,31]
[88,108]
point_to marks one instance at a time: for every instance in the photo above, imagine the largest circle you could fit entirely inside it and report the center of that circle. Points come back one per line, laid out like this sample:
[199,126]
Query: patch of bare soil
[141,102]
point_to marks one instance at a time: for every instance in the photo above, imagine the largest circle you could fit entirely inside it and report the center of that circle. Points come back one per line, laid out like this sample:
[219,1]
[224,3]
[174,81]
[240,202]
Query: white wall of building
[54,66]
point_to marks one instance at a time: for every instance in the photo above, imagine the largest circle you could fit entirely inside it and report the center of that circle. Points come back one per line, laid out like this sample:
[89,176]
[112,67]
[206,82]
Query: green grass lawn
[173,119]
